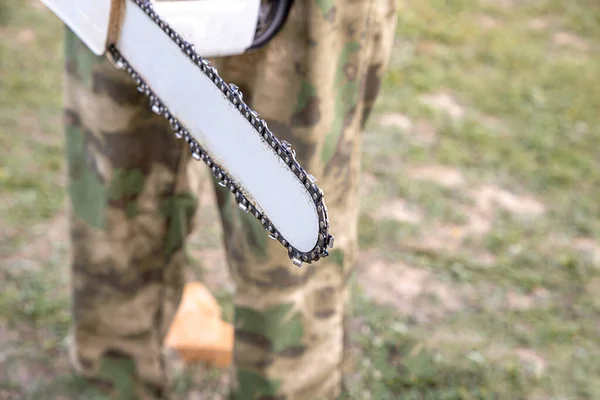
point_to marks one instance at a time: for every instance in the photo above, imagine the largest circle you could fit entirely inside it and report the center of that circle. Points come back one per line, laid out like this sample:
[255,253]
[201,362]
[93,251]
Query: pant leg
[131,210]
[315,84]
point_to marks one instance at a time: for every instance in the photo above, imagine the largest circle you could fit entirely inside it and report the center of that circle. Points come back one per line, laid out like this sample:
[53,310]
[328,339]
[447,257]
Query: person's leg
[314,84]
[131,210]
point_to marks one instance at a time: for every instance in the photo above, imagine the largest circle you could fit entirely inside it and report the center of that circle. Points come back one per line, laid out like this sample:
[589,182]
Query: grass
[509,311]
[31,160]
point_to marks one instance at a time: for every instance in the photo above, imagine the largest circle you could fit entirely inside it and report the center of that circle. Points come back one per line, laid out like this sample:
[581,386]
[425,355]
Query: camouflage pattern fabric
[132,208]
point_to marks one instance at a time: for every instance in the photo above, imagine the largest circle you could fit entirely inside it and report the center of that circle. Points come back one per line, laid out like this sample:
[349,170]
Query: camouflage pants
[133,206]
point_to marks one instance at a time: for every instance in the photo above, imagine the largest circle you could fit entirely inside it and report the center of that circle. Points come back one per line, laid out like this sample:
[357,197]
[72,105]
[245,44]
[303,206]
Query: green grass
[543,143]
[31,160]
[526,325]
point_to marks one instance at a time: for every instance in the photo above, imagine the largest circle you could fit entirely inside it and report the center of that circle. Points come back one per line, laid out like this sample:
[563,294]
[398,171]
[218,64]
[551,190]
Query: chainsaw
[164,47]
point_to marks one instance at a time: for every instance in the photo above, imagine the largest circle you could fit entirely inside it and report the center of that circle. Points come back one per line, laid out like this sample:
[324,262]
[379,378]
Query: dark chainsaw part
[271,18]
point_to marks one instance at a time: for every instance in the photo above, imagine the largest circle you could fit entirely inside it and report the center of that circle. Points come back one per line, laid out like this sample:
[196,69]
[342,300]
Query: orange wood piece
[197,332]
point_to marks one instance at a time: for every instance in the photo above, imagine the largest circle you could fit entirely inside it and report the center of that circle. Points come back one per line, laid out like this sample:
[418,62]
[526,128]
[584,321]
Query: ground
[478,276]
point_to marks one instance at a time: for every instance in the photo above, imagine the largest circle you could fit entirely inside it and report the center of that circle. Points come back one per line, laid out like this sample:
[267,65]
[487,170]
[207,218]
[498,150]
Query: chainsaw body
[215,27]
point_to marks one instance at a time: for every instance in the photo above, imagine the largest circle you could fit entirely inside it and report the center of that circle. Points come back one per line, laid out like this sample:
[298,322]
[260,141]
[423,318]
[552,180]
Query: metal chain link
[235,97]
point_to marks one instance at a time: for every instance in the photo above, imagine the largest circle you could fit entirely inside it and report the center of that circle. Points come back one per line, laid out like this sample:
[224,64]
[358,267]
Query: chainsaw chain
[232,93]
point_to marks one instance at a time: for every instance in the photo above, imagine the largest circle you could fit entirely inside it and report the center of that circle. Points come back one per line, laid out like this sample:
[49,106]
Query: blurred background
[478,276]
